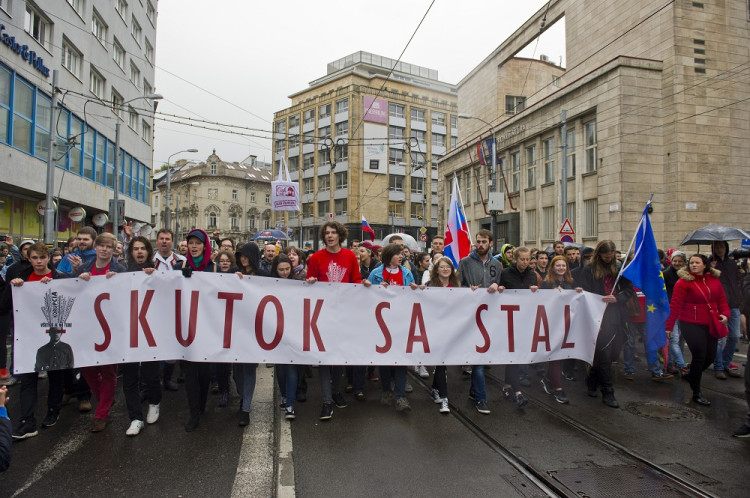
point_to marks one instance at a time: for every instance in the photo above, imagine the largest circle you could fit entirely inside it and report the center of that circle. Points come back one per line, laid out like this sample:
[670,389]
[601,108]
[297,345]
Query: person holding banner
[197,374]
[694,296]
[392,272]
[38,271]
[335,264]
[101,379]
[601,277]
[480,269]
[286,374]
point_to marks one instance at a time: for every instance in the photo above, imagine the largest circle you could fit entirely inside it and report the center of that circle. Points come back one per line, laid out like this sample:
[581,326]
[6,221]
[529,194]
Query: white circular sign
[41,205]
[100,219]
[77,214]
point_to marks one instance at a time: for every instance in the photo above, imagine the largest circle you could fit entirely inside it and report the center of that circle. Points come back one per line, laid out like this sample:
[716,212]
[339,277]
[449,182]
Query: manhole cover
[663,411]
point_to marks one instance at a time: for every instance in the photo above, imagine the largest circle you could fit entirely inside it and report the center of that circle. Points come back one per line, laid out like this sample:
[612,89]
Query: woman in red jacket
[694,292]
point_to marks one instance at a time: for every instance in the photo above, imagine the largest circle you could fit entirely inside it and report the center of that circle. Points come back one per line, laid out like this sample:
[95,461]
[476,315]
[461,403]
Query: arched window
[233,221]
[212,219]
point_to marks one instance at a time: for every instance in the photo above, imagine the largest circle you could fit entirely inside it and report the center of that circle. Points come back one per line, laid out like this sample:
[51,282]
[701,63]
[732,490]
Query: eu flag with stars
[645,273]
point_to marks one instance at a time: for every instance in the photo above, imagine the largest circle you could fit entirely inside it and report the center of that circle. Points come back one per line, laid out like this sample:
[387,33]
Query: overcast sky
[237,61]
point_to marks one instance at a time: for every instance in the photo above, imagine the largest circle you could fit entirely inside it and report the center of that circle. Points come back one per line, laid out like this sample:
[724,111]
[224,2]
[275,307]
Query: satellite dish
[100,219]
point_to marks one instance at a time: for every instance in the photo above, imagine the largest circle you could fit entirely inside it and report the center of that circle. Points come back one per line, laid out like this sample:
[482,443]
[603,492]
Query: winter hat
[203,237]
[24,243]
[252,252]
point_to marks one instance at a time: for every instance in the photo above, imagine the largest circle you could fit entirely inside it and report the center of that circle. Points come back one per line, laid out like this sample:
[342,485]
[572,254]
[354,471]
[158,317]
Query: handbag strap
[704,296]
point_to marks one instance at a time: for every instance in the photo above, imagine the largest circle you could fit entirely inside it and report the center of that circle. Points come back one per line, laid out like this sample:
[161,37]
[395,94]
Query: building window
[308,137]
[420,135]
[121,6]
[147,88]
[280,126]
[591,215]
[590,140]
[342,106]
[342,128]
[570,160]
[514,104]
[571,213]
[266,223]
[339,207]
[395,157]
[72,59]
[37,26]
[77,6]
[342,180]
[324,111]
[324,183]
[556,81]
[307,210]
[417,185]
[438,119]
[396,209]
[135,30]
[418,115]
[150,12]
[212,219]
[279,146]
[324,208]
[252,196]
[396,133]
[417,210]
[293,141]
[308,116]
[548,149]
[396,110]
[135,74]
[118,54]
[96,83]
[548,223]
[293,164]
[99,28]
[213,168]
[268,198]
[454,142]
[454,122]
[467,187]
[530,224]
[438,140]
[233,222]
[515,162]
[117,102]
[308,161]
[324,132]
[324,158]
[235,194]
[531,166]
[146,133]
[418,160]
[149,52]
[133,119]
[396,183]
[341,153]
[307,186]
[294,121]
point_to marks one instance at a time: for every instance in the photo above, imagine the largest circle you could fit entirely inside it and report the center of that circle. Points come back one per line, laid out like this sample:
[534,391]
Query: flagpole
[632,243]
[461,202]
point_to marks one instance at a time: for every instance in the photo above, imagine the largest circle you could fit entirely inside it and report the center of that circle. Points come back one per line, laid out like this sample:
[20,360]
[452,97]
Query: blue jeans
[726,346]
[287,378]
[398,375]
[628,349]
[478,388]
[675,350]
[244,379]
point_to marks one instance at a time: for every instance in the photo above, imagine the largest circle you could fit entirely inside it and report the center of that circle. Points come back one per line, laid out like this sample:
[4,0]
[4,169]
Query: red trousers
[103,381]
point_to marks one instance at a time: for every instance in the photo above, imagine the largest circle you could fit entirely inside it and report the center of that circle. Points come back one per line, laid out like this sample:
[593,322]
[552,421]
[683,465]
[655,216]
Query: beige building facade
[361,145]
[233,198]
[654,102]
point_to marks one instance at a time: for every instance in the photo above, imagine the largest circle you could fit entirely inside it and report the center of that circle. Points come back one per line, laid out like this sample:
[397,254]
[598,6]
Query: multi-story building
[363,143]
[654,103]
[231,198]
[103,53]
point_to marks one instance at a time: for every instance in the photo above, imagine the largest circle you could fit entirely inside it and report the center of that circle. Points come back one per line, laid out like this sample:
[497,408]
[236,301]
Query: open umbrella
[408,240]
[712,233]
[270,235]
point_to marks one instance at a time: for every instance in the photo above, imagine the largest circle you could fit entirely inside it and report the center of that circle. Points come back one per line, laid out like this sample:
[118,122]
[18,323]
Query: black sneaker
[661,376]
[482,407]
[608,398]
[521,400]
[547,385]
[50,419]
[743,431]
[339,401]
[561,398]
[289,413]
[326,413]
[26,429]
[508,394]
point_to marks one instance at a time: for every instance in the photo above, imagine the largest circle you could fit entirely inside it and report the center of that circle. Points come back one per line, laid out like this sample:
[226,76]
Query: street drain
[618,481]
[663,411]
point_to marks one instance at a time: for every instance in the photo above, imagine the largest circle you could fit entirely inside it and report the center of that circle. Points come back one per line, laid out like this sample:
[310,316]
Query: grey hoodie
[471,271]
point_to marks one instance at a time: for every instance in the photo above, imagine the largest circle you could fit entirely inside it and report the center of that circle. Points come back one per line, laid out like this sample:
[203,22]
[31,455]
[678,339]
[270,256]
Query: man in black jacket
[730,281]
[519,275]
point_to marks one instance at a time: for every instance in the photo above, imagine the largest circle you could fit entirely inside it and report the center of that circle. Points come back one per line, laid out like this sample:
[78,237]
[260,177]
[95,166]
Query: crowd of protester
[694,285]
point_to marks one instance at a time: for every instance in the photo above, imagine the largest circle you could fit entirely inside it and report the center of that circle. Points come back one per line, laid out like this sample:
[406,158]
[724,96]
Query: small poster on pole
[284,192]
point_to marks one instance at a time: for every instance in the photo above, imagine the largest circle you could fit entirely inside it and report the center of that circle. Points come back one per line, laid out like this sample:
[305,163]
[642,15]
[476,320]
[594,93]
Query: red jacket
[689,298]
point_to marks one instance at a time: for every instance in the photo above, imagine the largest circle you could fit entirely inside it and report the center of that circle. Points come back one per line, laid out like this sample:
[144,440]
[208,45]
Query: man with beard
[84,253]
[476,270]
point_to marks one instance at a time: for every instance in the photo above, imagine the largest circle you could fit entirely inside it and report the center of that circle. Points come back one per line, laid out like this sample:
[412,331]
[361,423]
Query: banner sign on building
[376,110]
[134,317]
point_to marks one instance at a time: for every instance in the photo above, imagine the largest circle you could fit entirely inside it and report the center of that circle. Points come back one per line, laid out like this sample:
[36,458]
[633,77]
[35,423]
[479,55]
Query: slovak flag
[457,236]
[366,228]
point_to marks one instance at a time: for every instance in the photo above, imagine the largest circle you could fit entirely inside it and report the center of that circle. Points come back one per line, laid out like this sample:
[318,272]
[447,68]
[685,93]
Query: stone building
[363,146]
[655,100]
[231,198]
[103,53]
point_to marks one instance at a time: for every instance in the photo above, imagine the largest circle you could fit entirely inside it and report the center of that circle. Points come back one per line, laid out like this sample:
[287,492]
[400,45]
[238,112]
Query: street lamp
[493,163]
[167,219]
[115,184]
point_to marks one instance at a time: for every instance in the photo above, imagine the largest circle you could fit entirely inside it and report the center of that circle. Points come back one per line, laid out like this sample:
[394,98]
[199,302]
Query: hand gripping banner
[135,317]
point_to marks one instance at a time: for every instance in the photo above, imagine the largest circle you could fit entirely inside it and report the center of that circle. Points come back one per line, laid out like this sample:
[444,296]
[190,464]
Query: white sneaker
[135,428]
[444,408]
[436,396]
[153,414]
[408,387]
[422,371]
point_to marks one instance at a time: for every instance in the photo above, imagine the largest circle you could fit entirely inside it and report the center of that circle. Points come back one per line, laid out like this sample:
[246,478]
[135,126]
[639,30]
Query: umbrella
[270,235]
[408,240]
[712,233]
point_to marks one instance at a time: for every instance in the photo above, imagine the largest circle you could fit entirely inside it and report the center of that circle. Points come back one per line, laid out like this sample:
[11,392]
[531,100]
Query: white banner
[218,317]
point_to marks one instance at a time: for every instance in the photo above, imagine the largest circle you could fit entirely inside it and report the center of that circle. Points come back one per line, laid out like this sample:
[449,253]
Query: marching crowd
[700,289]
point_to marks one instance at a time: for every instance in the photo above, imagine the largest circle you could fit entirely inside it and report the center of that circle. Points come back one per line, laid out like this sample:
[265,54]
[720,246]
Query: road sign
[423,237]
[567,228]
[422,230]
[566,239]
